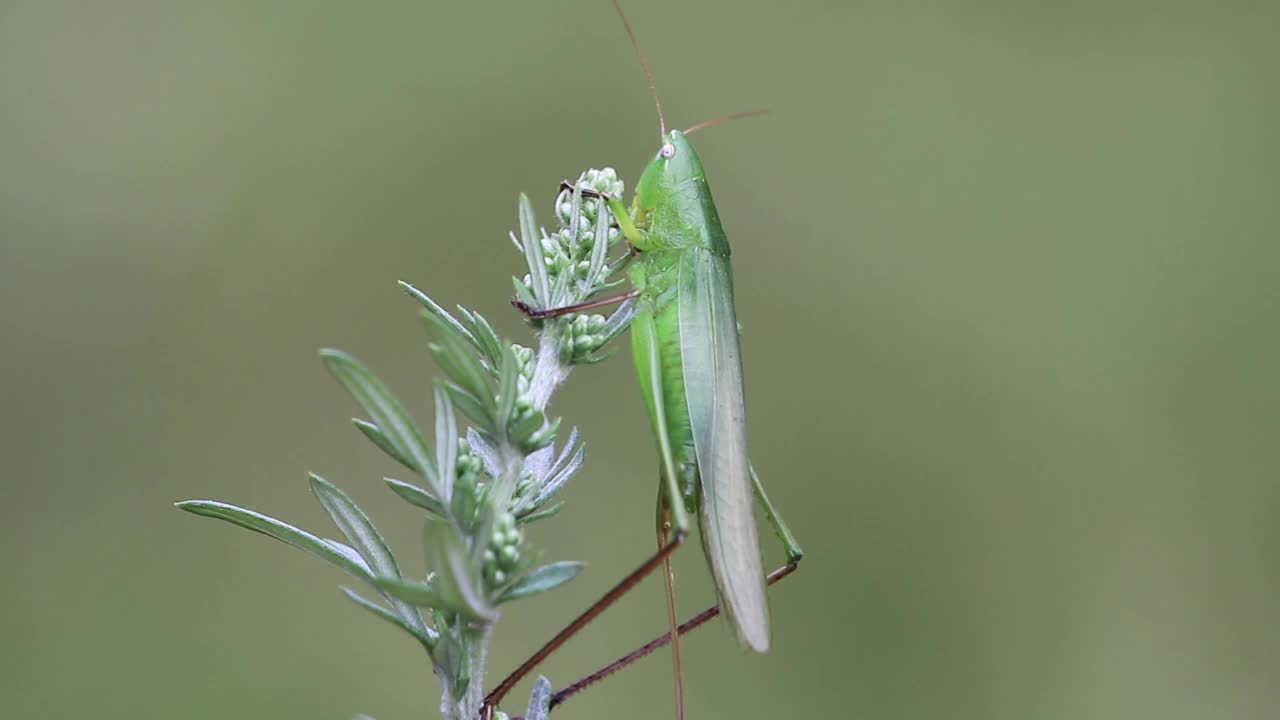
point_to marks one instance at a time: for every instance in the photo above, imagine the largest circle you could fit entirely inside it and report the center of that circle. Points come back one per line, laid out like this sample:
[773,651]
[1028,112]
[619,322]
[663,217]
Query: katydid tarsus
[686,348]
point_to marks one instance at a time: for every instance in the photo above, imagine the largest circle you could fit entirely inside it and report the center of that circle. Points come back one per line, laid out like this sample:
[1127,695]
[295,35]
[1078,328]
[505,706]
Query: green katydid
[686,347]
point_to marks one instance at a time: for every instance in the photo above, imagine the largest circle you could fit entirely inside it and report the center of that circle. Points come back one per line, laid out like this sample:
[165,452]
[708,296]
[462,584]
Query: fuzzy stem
[549,372]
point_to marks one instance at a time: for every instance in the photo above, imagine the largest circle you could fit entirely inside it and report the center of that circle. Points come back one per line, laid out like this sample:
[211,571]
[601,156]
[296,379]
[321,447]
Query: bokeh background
[1007,273]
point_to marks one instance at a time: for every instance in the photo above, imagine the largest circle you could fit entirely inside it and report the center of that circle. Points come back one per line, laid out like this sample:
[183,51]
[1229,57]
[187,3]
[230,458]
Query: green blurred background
[1007,273]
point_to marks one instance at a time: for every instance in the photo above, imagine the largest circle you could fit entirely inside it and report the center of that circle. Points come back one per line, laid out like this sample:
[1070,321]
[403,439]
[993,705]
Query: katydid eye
[668,151]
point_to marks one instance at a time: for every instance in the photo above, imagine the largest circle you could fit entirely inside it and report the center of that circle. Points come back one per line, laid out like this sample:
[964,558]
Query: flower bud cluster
[502,556]
[468,487]
[585,335]
[566,253]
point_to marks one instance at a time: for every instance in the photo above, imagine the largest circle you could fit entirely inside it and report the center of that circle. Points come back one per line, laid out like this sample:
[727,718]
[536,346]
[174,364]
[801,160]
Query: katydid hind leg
[673,620]
[655,644]
[672,516]
[615,593]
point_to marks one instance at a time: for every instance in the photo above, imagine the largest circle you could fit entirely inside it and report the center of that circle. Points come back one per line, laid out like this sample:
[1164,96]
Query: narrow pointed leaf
[375,436]
[541,580]
[557,481]
[619,321]
[532,242]
[281,531]
[481,448]
[548,471]
[506,388]
[599,252]
[456,578]
[542,514]
[415,495]
[427,638]
[383,409]
[440,313]
[488,342]
[469,406]
[446,440]
[356,527]
[349,552]
[523,294]
[366,540]
[458,362]
[416,593]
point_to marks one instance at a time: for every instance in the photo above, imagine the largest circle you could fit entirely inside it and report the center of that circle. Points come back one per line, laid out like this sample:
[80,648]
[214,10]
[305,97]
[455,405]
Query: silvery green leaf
[419,594]
[619,321]
[365,539]
[557,481]
[481,448]
[599,252]
[375,436]
[349,552]
[415,495]
[560,288]
[575,209]
[487,342]
[507,373]
[545,578]
[471,407]
[356,527]
[524,295]
[459,363]
[541,514]
[425,635]
[532,242]
[440,313]
[566,451]
[385,411]
[281,531]
[457,577]
[538,463]
[539,700]
[446,440]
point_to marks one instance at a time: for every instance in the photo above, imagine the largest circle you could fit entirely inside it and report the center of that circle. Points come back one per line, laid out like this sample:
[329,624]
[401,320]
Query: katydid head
[675,163]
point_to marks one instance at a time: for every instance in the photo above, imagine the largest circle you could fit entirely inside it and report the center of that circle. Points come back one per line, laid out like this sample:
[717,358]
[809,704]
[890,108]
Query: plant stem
[549,372]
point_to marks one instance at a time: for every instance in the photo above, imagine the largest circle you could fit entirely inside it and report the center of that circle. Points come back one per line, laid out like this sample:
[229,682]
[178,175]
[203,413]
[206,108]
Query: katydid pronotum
[685,341]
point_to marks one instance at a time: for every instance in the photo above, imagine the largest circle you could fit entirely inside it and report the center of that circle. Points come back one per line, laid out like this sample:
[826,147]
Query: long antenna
[653,90]
[726,118]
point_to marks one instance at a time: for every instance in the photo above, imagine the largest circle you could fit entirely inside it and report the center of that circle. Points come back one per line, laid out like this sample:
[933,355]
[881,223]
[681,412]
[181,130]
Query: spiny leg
[609,598]
[673,620]
[789,543]
[671,510]
[657,643]
[536,314]
[794,554]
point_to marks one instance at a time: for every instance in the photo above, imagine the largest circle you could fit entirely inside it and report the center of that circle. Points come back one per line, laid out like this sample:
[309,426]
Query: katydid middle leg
[538,314]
